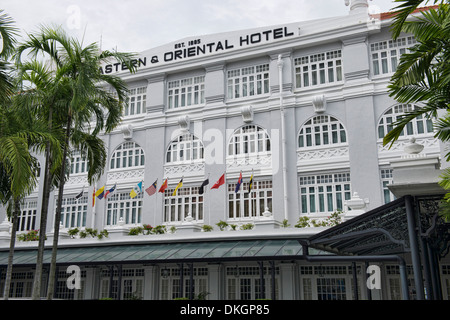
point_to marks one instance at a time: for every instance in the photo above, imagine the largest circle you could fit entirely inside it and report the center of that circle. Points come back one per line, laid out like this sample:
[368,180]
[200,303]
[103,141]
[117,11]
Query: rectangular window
[186,92]
[74,212]
[248,81]
[386,179]
[136,102]
[78,163]
[243,204]
[324,193]
[244,283]
[317,69]
[386,54]
[122,206]
[186,202]
[170,284]
[27,216]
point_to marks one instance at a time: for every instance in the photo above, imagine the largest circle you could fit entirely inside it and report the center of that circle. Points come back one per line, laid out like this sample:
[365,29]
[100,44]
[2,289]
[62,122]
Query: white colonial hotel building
[303,107]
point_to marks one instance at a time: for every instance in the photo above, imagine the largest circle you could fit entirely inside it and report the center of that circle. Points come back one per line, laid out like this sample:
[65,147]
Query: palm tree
[423,74]
[18,138]
[41,95]
[91,96]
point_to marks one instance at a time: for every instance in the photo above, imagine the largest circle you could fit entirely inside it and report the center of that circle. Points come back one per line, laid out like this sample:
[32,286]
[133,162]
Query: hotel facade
[292,118]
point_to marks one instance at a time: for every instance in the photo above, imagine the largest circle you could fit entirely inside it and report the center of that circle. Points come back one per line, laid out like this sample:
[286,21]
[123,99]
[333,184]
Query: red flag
[219,182]
[93,198]
[163,187]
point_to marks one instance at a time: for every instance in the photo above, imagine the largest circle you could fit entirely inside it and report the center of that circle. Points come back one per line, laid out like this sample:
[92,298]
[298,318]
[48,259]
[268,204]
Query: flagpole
[209,203]
[93,207]
[156,204]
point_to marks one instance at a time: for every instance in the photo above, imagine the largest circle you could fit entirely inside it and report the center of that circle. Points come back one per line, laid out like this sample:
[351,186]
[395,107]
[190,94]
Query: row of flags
[152,189]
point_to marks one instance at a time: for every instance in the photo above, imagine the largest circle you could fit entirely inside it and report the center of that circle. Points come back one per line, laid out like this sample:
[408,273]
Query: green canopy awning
[165,252]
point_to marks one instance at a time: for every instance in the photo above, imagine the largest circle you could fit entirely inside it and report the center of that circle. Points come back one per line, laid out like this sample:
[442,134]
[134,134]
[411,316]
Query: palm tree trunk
[51,280]
[11,249]
[37,282]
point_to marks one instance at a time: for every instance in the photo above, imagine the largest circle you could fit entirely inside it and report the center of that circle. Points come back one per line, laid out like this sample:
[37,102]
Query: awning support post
[261,280]
[414,248]
[355,281]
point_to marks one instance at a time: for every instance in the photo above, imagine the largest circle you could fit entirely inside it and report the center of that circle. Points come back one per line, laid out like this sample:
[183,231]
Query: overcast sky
[138,25]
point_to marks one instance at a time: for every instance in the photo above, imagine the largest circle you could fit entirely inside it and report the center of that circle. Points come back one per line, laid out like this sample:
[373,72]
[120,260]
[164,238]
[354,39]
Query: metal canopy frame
[382,231]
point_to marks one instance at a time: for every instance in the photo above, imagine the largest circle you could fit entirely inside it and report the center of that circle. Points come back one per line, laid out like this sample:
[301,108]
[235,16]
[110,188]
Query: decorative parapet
[189,169]
[238,163]
[77,180]
[124,174]
[322,157]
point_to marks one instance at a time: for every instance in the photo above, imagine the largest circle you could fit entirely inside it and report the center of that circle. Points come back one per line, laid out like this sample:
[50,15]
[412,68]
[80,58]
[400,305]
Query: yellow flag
[179,185]
[133,194]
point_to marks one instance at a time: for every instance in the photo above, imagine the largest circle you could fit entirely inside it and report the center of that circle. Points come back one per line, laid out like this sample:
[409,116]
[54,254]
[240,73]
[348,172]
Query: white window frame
[185,148]
[329,275]
[121,206]
[74,212]
[186,92]
[386,179]
[419,127]
[248,81]
[249,140]
[243,282]
[125,153]
[385,55]
[244,205]
[187,200]
[78,163]
[324,194]
[393,282]
[170,282]
[319,69]
[323,130]
[136,102]
[134,276]
[27,218]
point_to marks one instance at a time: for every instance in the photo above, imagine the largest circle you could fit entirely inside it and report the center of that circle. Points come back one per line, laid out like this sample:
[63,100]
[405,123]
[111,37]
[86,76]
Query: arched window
[321,131]
[419,126]
[186,147]
[127,155]
[249,140]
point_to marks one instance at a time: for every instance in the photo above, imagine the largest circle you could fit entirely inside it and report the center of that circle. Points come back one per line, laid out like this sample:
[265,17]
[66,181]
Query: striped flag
[100,193]
[110,190]
[238,185]
[152,189]
[250,185]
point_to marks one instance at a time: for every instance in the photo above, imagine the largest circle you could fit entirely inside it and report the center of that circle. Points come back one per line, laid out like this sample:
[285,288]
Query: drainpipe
[283,136]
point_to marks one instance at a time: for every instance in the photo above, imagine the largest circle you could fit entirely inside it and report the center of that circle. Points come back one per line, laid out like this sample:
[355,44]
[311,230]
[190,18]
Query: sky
[138,25]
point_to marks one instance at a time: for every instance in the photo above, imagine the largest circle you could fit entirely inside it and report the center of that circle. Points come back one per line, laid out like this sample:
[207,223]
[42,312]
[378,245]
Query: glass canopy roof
[165,252]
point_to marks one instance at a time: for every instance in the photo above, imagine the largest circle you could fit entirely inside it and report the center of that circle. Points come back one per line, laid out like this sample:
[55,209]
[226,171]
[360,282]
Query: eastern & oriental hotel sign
[200,47]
